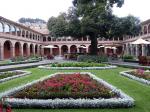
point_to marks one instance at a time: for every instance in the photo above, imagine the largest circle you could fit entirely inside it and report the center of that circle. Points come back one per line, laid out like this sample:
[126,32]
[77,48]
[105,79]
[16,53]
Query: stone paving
[29,65]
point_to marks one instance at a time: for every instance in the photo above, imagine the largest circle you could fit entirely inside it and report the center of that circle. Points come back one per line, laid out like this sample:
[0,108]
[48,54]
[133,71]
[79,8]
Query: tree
[31,20]
[93,18]
[96,16]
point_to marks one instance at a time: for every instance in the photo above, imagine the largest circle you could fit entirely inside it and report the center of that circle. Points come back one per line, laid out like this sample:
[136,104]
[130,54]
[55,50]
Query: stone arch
[17,49]
[82,48]
[31,49]
[73,49]
[64,49]
[7,28]
[145,29]
[7,49]
[56,50]
[1,27]
[13,29]
[49,38]
[23,33]
[27,34]
[18,30]
[101,49]
[44,39]
[36,49]
[25,49]
[149,28]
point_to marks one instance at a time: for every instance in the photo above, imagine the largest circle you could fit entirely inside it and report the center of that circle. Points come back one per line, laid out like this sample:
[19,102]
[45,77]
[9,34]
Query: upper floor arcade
[12,29]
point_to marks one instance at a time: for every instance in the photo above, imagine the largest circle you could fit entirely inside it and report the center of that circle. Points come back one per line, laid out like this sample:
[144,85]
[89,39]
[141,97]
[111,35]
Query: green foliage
[7,74]
[79,64]
[128,57]
[92,58]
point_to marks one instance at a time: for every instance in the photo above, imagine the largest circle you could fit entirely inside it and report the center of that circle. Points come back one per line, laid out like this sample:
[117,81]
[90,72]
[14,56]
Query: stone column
[60,50]
[127,49]
[1,52]
[131,49]
[21,50]
[137,51]
[105,50]
[12,52]
[143,50]
[69,49]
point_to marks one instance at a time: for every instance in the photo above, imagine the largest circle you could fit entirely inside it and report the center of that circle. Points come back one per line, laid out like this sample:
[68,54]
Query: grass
[140,92]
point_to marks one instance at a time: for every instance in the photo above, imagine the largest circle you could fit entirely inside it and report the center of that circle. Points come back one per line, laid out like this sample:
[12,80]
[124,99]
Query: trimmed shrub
[92,58]
[128,57]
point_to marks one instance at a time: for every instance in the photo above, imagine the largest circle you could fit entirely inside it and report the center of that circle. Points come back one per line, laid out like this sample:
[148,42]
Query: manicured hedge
[92,58]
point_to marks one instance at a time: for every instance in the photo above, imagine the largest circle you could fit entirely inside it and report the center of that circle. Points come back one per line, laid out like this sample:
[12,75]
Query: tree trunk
[93,50]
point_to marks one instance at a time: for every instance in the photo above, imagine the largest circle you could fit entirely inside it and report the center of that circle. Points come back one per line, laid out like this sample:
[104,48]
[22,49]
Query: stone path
[29,65]
[128,64]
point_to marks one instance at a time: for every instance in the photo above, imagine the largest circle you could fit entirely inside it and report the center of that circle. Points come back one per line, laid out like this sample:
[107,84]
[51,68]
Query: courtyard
[134,89]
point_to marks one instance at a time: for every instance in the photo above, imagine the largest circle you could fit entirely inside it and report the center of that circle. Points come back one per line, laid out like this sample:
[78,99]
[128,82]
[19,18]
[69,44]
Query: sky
[44,9]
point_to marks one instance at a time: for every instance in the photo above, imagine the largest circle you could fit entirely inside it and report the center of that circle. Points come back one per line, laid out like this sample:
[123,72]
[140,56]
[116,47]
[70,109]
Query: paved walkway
[29,65]
[128,64]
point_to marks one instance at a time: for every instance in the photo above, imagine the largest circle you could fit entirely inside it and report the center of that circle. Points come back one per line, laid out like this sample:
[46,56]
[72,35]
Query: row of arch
[146,29]
[17,31]
[11,50]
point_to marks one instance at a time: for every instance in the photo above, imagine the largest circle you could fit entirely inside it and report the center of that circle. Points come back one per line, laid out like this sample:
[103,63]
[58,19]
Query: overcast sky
[15,9]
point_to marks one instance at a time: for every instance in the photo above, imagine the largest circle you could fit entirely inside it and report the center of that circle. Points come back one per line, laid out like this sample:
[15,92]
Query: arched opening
[18,31]
[7,49]
[44,39]
[101,49]
[56,50]
[89,49]
[64,49]
[145,29]
[46,51]
[49,38]
[13,30]
[73,49]
[1,27]
[82,49]
[27,34]
[40,49]
[17,49]
[23,33]
[25,49]
[7,28]
[31,49]
[36,49]
[149,28]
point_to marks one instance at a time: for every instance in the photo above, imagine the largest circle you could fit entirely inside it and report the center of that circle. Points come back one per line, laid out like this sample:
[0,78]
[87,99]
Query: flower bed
[77,66]
[138,75]
[5,76]
[67,90]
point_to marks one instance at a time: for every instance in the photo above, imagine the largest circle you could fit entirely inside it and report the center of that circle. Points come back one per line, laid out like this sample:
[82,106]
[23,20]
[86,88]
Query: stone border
[123,101]
[77,68]
[24,73]
[144,81]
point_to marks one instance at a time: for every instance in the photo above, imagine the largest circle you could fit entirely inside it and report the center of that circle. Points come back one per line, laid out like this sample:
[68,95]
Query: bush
[128,57]
[92,58]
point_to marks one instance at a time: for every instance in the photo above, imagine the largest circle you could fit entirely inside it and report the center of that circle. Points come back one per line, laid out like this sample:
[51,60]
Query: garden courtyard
[138,91]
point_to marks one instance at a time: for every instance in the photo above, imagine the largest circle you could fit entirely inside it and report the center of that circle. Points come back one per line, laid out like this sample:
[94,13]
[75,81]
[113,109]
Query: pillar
[143,50]
[60,50]
[1,52]
[137,51]
[21,50]
[13,52]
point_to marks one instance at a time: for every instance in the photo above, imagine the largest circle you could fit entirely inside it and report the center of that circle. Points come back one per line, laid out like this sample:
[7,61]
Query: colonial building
[20,40]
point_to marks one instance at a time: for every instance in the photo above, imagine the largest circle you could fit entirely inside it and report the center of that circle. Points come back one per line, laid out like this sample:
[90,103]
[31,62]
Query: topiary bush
[92,58]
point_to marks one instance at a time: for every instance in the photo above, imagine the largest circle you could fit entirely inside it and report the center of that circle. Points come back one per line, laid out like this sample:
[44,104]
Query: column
[68,49]
[13,52]
[127,49]
[137,51]
[21,50]
[1,53]
[143,50]
[60,50]
[105,50]
[131,47]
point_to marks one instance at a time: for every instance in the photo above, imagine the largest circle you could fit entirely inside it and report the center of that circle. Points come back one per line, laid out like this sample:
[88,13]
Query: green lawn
[140,92]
